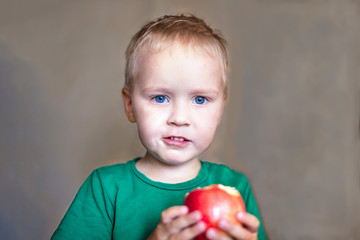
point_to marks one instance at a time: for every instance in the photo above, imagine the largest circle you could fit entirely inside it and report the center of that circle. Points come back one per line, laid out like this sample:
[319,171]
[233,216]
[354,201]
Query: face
[177,102]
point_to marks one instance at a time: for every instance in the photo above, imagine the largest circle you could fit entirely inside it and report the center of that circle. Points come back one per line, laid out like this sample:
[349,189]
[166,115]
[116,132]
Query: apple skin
[215,202]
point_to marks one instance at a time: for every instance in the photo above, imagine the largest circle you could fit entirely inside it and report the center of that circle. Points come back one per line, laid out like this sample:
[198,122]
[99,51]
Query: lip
[176,140]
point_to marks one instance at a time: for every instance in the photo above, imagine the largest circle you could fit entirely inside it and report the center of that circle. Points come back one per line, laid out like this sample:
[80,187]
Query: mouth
[181,139]
[176,140]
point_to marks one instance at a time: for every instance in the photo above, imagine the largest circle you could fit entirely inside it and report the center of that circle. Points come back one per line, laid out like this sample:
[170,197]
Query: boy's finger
[183,222]
[234,230]
[213,234]
[250,221]
[190,232]
[169,214]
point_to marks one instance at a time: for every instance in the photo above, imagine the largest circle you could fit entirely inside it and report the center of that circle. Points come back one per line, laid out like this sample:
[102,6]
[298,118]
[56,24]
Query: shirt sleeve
[90,215]
[251,207]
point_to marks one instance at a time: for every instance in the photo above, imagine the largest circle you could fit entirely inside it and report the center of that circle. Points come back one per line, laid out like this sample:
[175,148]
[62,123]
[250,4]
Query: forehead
[182,55]
[180,64]
[190,51]
[194,48]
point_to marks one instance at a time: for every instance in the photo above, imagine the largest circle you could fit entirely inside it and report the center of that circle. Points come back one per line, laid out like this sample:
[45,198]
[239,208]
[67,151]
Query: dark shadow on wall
[24,167]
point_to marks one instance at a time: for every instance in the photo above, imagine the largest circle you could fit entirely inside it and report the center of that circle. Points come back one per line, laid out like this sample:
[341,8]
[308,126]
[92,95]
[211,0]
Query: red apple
[215,202]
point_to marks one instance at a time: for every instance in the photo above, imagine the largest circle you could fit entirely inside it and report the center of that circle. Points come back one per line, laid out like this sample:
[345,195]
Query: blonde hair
[168,30]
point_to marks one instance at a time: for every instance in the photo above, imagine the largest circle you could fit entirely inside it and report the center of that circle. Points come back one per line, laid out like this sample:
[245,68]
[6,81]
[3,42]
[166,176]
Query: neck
[166,173]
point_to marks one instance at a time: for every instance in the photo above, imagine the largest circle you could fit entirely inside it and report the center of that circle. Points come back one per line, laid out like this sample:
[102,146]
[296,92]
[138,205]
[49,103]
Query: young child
[175,91]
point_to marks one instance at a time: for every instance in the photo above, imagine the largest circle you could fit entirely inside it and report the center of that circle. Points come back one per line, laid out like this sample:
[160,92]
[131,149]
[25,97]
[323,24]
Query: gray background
[291,123]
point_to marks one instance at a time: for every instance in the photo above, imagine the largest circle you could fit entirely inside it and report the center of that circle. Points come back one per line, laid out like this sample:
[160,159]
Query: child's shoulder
[114,167]
[222,168]
[113,172]
[221,173]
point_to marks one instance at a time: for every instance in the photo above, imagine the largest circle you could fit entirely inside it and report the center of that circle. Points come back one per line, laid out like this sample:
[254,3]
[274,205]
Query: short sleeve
[90,215]
[252,208]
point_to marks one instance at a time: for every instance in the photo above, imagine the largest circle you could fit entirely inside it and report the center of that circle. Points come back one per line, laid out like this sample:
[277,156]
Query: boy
[175,91]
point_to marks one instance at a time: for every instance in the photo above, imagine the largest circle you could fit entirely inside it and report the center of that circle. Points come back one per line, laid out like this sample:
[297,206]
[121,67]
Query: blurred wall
[291,123]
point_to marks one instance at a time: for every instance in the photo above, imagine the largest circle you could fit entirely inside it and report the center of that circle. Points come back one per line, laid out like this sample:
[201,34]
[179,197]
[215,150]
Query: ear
[126,96]
[222,110]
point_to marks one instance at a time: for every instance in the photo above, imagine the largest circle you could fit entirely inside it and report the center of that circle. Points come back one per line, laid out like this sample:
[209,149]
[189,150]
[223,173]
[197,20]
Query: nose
[179,115]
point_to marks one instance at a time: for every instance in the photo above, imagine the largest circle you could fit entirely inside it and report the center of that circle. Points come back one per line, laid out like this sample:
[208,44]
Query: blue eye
[160,99]
[200,100]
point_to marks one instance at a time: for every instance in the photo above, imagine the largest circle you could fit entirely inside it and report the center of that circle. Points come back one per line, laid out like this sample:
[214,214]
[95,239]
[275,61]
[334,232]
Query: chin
[172,158]
[176,161]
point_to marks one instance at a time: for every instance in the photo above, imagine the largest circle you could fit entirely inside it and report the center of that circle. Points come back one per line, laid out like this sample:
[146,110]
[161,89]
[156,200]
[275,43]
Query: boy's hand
[248,230]
[177,224]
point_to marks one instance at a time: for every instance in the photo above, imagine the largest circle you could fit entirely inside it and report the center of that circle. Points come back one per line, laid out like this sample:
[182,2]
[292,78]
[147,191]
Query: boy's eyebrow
[195,91]
[155,89]
[205,91]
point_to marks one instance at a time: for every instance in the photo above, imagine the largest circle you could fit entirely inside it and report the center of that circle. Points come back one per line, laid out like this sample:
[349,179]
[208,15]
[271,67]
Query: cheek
[148,121]
[146,130]
[207,130]
[210,123]
[213,117]
[150,117]
[206,127]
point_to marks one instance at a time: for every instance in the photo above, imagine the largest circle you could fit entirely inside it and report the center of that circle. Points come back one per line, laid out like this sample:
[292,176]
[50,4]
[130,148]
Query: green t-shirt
[119,202]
